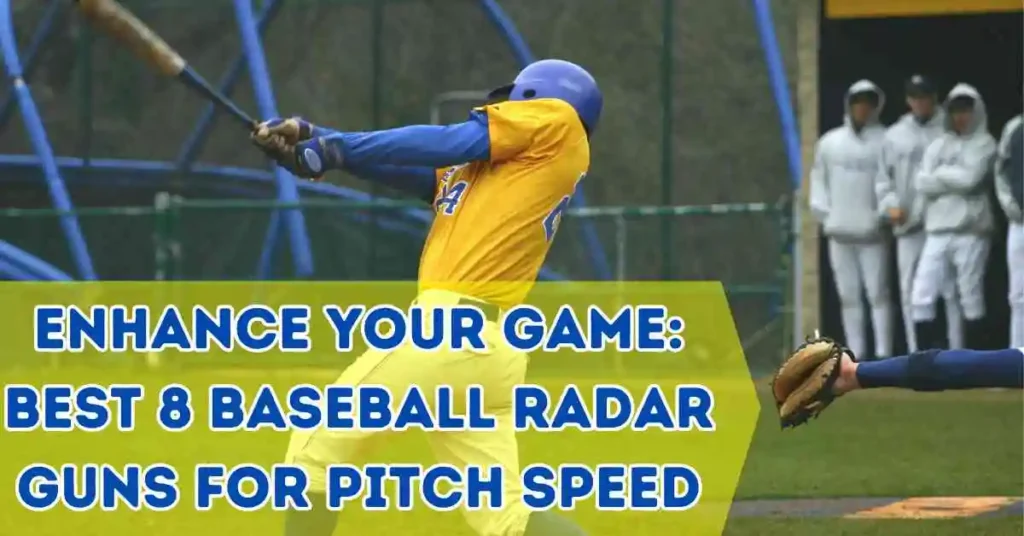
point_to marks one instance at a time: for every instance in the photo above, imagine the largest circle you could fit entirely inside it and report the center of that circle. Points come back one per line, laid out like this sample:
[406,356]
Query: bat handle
[197,82]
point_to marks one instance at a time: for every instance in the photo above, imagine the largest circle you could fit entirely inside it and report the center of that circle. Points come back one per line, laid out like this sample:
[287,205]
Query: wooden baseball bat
[125,27]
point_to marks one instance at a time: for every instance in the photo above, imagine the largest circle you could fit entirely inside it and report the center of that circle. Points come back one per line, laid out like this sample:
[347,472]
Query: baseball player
[843,199]
[820,371]
[954,180]
[498,183]
[1010,192]
[903,207]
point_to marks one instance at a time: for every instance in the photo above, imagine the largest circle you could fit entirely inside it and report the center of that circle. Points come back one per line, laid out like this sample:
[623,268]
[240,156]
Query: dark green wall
[982,50]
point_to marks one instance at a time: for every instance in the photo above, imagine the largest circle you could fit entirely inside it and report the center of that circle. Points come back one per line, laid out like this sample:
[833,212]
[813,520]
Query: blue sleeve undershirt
[405,158]
[417,181]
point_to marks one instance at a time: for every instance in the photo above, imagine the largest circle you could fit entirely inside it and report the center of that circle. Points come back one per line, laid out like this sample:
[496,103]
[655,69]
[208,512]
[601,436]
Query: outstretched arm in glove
[821,370]
[937,370]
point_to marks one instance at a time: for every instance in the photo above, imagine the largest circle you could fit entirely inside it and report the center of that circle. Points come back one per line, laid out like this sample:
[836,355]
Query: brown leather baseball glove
[802,387]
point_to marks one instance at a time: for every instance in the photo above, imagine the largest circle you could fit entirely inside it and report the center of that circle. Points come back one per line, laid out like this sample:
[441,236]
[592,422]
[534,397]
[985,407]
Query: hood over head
[966,92]
[861,87]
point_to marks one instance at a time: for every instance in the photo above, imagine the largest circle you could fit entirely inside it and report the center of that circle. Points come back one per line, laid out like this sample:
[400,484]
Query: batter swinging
[499,183]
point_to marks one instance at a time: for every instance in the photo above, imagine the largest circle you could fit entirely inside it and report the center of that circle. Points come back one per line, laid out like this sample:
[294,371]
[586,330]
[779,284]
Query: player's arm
[423,146]
[495,133]
[405,158]
[819,196]
[974,165]
[925,181]
[291,141]
[417,181]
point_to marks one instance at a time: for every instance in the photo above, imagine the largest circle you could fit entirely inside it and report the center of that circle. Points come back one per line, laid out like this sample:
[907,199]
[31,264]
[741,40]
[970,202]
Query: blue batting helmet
[558,79]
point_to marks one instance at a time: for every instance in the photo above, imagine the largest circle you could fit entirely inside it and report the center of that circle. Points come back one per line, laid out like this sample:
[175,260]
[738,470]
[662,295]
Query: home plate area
[882,508]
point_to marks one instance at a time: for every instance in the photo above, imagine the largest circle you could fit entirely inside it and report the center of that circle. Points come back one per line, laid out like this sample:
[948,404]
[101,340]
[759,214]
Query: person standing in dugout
[1010,192]
[843,200]
[954,180]
[903,207]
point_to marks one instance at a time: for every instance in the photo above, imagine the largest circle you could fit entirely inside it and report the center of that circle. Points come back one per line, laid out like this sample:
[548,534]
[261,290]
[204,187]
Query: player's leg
[931,276]
[315,450]
[908,253]
[954,315]
[499,448]
[935,370]
[1015,267]
[873,261]
[499,372]
[846,273]
[970,255]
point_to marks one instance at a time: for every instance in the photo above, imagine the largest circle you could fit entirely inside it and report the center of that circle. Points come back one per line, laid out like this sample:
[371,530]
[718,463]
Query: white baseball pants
[1015,267]
[863,268]
[908,255]
[951,257]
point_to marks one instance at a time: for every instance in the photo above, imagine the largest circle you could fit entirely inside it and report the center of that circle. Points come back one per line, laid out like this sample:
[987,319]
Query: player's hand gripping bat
[122,25]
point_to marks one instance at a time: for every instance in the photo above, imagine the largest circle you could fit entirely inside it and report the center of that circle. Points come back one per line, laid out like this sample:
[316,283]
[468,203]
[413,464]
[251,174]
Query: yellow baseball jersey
[495,220]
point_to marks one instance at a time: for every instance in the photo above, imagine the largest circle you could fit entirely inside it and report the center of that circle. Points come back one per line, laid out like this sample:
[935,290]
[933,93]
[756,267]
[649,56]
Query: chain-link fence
[179,240]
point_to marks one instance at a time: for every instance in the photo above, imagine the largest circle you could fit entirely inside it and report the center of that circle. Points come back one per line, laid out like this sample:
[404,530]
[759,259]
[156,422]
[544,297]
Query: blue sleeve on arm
[422,145]
[418,181]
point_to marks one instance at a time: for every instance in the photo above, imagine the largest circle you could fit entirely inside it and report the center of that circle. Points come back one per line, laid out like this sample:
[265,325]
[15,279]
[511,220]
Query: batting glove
[312,158]
[308,159]
[291,143]
[292,129]
[277,137]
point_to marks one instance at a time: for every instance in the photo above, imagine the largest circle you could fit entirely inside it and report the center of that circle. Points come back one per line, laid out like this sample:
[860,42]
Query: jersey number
[554,218]
[450,196]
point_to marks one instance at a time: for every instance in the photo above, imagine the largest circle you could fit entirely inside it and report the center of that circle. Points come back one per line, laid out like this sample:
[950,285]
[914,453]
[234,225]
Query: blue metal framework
[231,179]
[234,179]
[791,140]
[19,265]
[41,144]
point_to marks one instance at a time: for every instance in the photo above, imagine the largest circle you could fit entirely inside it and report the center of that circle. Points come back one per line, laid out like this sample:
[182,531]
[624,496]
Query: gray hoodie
[905,143]
[954,174]
[1007,171]
[842,190]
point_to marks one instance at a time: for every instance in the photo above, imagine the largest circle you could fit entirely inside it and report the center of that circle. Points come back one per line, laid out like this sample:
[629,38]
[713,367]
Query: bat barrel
[128,29]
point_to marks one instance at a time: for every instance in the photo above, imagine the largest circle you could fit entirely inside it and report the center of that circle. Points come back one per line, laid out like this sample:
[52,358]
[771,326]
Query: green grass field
[890,443]
[878,444]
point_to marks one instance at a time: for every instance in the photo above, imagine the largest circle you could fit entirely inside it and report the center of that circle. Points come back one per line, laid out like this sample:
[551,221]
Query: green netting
[176,239]
[350,241]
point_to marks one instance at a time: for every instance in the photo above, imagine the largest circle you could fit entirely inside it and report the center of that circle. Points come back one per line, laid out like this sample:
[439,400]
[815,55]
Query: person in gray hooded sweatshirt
[903,206]
[843,200]
[955,181]
[1010,192]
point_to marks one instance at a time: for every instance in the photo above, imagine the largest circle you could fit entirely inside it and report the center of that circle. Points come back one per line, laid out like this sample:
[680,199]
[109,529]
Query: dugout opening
[983,50]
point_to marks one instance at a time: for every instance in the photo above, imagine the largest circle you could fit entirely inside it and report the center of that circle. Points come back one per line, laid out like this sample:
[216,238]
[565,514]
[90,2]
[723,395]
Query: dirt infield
[881,508]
